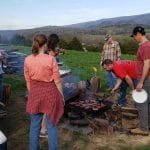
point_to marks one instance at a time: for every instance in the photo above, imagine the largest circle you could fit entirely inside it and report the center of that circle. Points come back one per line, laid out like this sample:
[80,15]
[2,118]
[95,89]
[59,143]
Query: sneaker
[138,131]
[44,135]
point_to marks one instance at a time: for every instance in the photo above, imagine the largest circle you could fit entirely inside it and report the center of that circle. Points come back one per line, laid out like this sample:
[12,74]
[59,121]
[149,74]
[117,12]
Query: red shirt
[142,54]
[122,68]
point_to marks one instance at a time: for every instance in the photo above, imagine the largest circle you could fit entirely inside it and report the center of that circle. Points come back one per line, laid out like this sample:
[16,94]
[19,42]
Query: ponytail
[38,41]
[35,47]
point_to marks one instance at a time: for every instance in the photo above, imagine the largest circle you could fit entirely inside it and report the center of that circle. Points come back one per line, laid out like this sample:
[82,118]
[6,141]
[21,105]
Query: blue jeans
[1,87]
[123,90]
[111,79]
[35,127]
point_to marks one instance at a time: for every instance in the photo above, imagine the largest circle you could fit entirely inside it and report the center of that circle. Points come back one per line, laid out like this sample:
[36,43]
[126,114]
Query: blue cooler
[69,84]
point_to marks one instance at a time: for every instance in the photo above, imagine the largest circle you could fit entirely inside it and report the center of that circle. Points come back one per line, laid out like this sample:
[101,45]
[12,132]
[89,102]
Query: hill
[88,32]
[143,19]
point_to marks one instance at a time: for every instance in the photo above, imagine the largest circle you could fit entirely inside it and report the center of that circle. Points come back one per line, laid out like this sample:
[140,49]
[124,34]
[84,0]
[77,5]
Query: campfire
[89,110]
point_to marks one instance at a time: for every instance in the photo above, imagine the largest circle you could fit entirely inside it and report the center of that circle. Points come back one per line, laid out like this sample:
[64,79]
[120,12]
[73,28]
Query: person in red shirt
[45,92]
[126,73]
[143,75]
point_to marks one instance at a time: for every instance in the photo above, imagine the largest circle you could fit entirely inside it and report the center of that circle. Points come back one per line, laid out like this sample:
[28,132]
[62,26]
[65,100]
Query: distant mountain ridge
[143,19]
[117,25]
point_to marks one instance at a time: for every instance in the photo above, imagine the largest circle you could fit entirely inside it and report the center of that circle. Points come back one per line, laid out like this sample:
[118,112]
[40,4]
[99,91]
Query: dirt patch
[16,126]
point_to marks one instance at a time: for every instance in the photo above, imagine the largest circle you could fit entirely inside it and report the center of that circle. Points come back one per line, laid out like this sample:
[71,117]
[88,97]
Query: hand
[112,91]
[101,63]
[139,86]
[131,91]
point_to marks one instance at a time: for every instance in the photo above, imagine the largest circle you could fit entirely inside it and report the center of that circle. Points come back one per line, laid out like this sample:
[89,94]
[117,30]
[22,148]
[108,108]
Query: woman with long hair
[52,49]
[45,92]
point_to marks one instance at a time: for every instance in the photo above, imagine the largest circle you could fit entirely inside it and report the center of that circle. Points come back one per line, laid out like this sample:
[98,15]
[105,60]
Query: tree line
[128,46]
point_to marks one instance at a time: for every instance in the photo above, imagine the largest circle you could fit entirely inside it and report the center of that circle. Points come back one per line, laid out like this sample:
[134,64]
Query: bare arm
[146,68]
[130,82]
[118,52]
[26,75]
[59,86]
[119,81]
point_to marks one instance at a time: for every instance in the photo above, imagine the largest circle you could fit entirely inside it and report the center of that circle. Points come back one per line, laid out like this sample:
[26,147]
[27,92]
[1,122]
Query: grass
[17,82]
[81,63]
[22,49]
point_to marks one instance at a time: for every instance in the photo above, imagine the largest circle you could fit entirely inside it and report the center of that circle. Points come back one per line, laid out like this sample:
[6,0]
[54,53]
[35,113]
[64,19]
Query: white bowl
[139,96]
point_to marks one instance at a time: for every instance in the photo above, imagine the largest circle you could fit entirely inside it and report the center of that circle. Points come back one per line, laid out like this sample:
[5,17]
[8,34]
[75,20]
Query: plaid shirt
[111,51]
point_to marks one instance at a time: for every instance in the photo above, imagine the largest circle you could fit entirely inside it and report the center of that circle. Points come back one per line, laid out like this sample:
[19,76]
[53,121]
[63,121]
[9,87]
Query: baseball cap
[107,36]
[138,29]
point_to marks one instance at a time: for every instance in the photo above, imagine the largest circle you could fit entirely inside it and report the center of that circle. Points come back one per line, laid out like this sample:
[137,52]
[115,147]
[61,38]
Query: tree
[3,40]
[75,44]
[128,46]
[63,44]
[20,40]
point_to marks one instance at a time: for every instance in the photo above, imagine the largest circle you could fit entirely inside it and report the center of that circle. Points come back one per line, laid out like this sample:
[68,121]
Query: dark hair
[38,41]
[107,62]
[138,29]
[53,41]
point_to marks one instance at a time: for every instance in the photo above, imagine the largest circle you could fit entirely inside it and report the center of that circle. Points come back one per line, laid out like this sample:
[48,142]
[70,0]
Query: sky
[25,14]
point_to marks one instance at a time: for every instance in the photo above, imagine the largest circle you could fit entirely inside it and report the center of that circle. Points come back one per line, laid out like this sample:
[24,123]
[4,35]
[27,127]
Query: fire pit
[90,107]
[93,111]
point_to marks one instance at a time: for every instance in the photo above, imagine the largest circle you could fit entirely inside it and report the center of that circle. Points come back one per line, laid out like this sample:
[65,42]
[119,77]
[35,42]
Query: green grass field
[81,63]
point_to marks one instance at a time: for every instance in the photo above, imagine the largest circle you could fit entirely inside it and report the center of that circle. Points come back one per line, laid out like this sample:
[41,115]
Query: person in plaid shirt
[112,51]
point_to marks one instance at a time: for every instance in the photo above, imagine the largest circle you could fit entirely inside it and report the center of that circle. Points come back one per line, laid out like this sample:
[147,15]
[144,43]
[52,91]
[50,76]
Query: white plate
[139,96]
[63,72]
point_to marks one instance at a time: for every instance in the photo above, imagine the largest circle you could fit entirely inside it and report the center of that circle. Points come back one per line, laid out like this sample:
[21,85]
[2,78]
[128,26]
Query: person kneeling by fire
[126,76]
